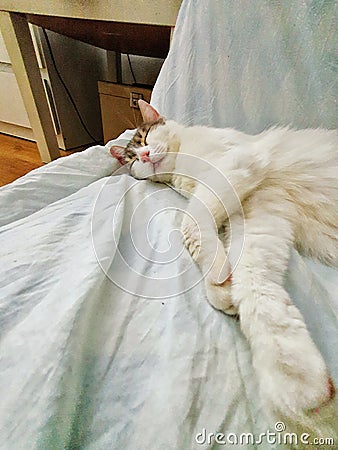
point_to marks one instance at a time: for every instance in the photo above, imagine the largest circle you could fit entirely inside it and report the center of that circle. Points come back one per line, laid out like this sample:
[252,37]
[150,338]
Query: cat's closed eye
[124,155]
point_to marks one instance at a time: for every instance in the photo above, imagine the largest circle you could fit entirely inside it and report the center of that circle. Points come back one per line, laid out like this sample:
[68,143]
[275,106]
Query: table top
[154,12]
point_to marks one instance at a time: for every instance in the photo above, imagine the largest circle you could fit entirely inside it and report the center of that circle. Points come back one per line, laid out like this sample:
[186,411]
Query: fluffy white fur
[286,184]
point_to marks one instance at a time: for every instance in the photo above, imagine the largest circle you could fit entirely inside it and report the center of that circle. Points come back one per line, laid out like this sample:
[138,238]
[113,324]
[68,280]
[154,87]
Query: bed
[93,353]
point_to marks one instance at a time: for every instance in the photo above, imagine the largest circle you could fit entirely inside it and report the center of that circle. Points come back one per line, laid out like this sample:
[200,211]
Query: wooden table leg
[18,40]
[172,29]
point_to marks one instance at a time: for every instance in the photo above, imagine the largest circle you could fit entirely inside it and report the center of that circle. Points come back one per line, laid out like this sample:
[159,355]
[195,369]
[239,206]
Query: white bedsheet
[85,364]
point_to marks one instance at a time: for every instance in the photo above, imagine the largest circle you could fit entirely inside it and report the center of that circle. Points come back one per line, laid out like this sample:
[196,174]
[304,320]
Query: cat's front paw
[297,394]
[292,373]
[219,295]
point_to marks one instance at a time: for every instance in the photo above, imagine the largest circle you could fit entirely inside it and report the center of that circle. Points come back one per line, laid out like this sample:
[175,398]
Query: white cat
[286,187]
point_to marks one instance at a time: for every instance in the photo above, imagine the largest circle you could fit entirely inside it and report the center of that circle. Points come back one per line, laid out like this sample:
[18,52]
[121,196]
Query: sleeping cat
[285,185]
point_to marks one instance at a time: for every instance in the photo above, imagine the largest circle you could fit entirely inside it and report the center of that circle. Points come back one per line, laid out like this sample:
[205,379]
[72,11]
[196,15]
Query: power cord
[66,88]
[131,69]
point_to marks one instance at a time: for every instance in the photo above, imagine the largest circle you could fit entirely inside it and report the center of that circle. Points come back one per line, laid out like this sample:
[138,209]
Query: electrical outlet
[134,98]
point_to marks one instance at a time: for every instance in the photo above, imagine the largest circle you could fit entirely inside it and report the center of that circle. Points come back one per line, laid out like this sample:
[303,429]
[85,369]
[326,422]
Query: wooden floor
[18,157]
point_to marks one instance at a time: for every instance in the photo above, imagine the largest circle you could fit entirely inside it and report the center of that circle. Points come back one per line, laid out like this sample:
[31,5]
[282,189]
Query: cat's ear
[119,153]
[149,113]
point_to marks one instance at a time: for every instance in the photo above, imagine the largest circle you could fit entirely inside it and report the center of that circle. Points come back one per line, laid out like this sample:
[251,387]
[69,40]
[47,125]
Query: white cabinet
[3,52]
[12,109]
[13,116]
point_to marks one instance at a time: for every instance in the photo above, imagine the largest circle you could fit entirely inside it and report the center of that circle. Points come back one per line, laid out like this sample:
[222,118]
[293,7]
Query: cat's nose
[145,156]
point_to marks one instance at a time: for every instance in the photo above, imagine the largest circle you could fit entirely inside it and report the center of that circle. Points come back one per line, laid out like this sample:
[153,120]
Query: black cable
[66,88]
[131,69]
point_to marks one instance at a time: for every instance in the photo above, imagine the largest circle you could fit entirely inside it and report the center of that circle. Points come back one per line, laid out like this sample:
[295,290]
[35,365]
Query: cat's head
[153,147]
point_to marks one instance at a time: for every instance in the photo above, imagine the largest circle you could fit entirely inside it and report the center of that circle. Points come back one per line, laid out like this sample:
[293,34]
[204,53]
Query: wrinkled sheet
[88,357]
[84,363]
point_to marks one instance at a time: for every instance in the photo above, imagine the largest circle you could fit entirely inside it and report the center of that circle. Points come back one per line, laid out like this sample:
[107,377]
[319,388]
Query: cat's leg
[218,194]
[202,241]
[292,374]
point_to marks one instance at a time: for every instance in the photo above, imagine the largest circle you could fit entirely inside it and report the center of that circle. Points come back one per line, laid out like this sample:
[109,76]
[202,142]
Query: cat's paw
[219,295]
[297,394]
[293,376]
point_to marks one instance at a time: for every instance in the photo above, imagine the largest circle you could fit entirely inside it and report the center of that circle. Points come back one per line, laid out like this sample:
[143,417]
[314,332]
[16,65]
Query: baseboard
[17,131]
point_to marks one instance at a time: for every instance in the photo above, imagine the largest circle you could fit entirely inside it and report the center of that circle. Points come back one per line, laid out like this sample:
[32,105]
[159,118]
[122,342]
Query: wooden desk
[129,20]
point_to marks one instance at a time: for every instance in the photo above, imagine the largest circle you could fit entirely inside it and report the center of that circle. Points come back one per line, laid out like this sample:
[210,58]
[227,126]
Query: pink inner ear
[118,153]
[149,113]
